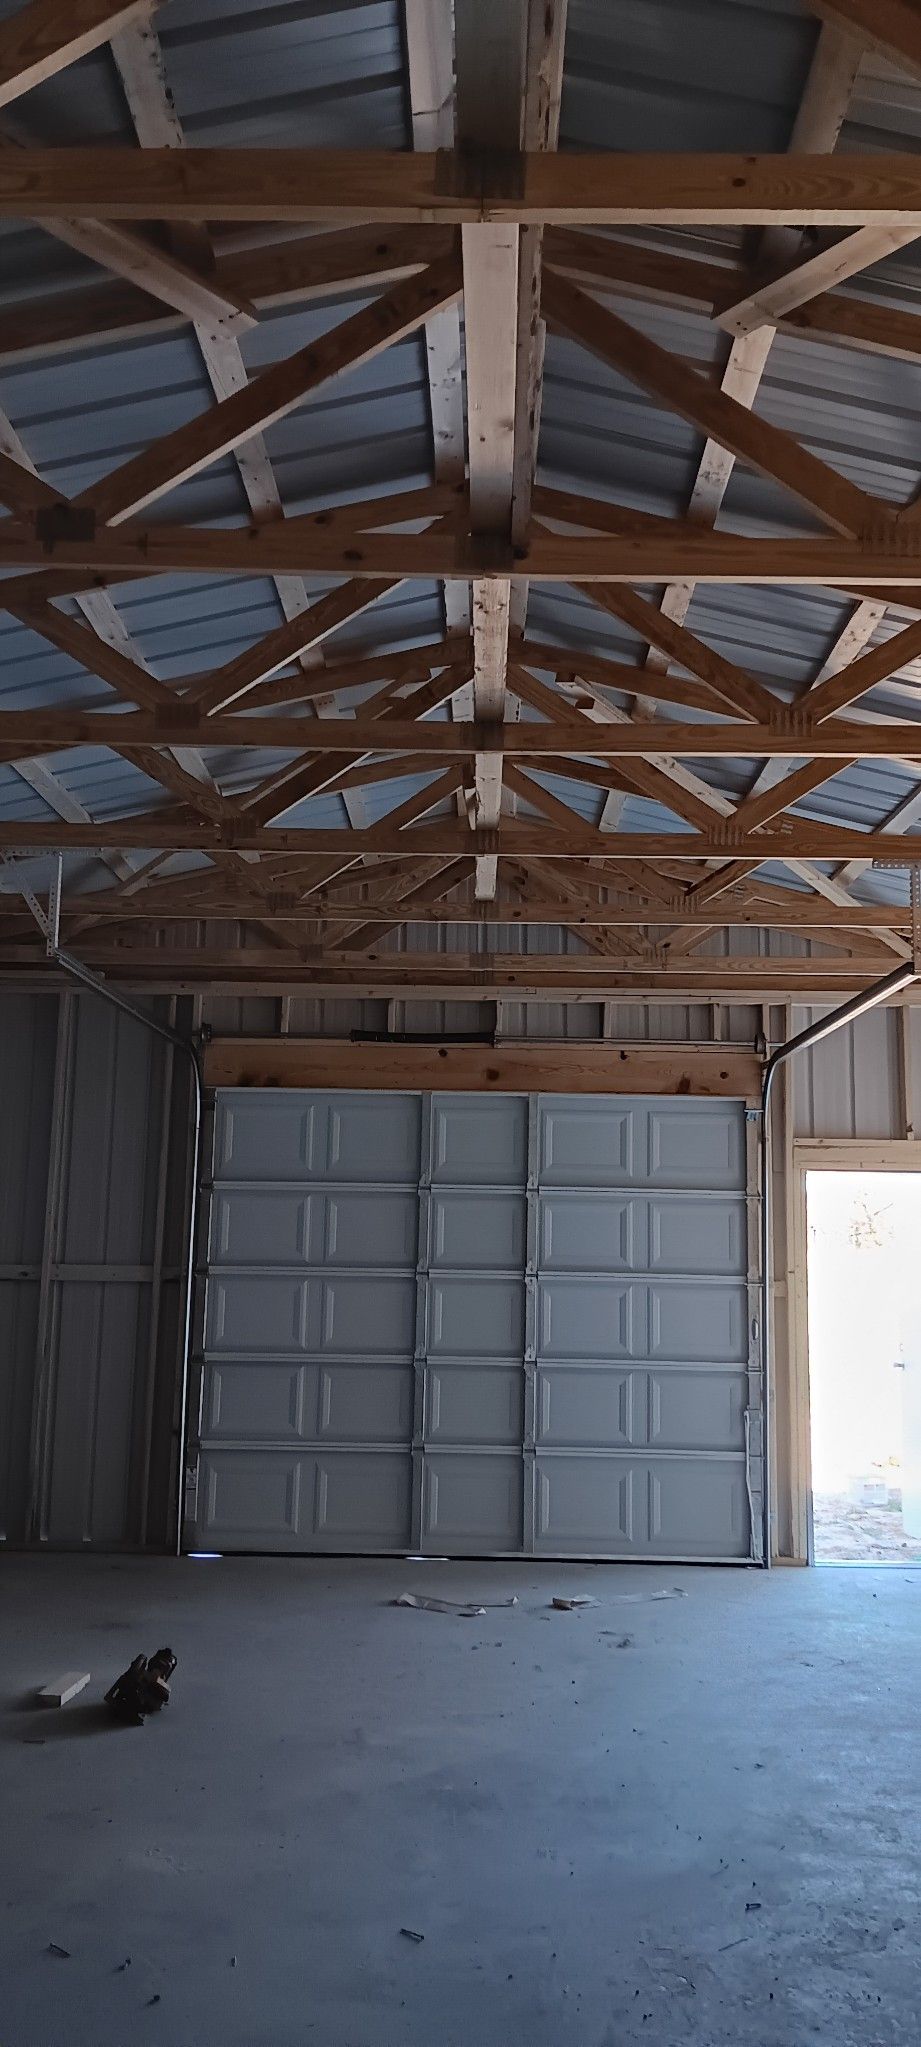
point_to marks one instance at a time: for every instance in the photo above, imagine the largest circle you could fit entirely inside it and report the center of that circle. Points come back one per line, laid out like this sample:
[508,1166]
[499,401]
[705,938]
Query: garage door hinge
[753,1115]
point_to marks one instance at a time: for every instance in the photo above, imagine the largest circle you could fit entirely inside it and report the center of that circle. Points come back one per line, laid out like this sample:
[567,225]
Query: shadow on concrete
[23,1721]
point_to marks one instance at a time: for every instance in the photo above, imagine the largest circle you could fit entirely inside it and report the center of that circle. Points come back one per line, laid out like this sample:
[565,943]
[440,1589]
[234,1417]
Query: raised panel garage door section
[478,1326]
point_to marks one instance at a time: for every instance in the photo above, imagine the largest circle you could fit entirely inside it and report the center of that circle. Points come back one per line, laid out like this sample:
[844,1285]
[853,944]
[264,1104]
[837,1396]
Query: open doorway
[863,1264]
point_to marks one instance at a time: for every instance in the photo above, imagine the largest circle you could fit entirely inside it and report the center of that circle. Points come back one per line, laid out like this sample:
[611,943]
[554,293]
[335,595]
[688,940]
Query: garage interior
[459,900]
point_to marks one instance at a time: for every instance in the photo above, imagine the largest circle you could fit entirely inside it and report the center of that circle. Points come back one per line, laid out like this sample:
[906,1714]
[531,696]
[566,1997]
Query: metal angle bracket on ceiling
[49,922]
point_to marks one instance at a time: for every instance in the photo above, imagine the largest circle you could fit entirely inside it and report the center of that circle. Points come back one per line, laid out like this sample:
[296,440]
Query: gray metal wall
[91,1234]
[92,1116]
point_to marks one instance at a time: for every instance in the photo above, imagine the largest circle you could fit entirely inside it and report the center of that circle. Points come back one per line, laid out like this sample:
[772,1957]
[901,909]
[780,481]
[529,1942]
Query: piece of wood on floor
[64,1688]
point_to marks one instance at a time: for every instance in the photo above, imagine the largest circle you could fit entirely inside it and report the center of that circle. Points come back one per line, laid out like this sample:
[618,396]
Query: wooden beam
[900,817]
[315,265]
[21,490]
[131,682]
[826,95]
[139,60]
[608,673]
[158,272]
[415,665]
[768,449]
[430,56]
[788,738]
[271,395]
[755,811]
[544,52]
[886,559]
[403,910]
[280,905]
[892,27]
[290,272]
[601,263]
[489,56]
[46,785]
[599,188]
[44,37]
[313,771]
[768,296]
[109,649]
[155,830]
[742,692]
[505,1069]
[853,680]
[223,687]
[577,978]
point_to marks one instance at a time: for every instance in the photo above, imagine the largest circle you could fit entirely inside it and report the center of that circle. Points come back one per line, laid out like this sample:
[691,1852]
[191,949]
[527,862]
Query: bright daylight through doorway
[864,1294]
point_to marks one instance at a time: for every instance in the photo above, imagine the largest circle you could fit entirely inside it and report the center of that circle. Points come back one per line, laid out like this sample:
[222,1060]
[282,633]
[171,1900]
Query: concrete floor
[575,1821]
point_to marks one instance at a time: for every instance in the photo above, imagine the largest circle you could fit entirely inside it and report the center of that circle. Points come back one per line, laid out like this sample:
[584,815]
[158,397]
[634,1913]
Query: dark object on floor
[143,1687]
[409,1934]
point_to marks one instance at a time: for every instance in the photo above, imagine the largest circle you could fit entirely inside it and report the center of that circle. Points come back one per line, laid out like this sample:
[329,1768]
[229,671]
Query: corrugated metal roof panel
[648,74]
[684,74]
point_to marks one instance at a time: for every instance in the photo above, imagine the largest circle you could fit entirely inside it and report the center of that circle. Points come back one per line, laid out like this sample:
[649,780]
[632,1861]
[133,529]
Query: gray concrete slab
[577,1827]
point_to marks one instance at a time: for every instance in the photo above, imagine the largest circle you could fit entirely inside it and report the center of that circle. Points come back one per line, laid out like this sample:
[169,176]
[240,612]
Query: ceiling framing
[664,812]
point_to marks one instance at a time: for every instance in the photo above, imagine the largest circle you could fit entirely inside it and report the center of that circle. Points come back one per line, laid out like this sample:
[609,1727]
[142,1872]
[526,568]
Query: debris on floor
[63,1953]
[569,1605]
[409,1934]
[143,1688]
[637,1598]
[64,1688]
[619,1641]
[464,1608]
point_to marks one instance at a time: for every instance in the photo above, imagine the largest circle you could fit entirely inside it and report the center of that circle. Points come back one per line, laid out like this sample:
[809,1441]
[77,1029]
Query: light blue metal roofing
[642,74]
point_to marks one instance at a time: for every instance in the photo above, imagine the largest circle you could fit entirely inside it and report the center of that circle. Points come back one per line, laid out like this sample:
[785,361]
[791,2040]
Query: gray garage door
[476,1325]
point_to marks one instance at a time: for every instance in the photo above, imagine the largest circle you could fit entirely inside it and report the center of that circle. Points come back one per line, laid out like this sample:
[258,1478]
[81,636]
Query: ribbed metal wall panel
[850,1085]
[91,1242]
[111,1370]
[28,1026]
